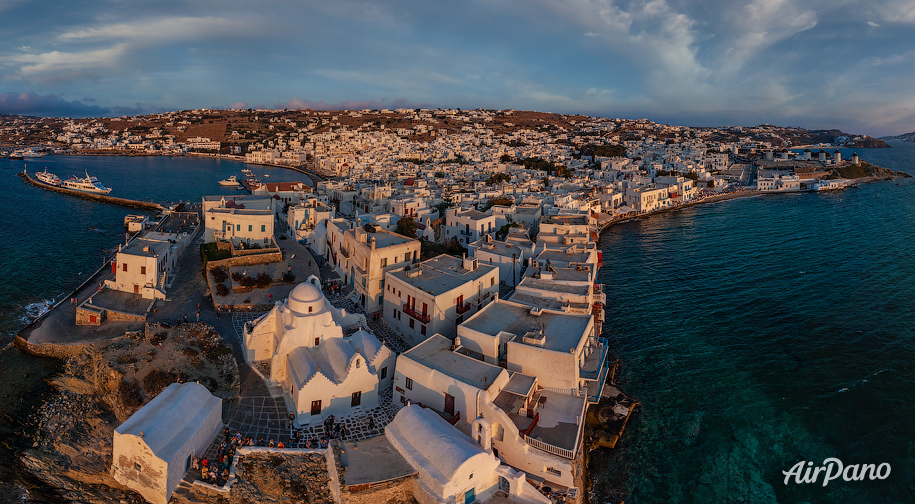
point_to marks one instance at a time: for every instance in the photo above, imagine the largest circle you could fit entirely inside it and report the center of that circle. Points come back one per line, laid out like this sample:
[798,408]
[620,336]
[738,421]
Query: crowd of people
[216,471]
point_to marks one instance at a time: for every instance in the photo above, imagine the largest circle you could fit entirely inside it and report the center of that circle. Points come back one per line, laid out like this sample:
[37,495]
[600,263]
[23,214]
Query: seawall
[101,198]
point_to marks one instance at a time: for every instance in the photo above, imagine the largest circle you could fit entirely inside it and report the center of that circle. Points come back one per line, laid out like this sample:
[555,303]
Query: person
[198,317]
[260,442]
[280,445]
[194,462]
[372,423]
[217,312]
[204,473]
[271,444]
[185,318]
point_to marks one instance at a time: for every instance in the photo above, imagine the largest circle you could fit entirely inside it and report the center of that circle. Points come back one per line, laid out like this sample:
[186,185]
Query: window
[384,262]
[310,308]
[142,270]
[551,470]
[263,228]
[317,341]
[315,407]
[422,330]
[238,227]
[357,363]
[138,467]
[403,400]
[471,476]
[250,227]
[363,281]
[124,267]
[411,322]
[492,281]
[383,373]
[409,384]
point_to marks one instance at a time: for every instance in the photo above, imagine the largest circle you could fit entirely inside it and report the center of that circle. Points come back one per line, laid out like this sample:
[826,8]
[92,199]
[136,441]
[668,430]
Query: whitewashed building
[238,218]
[153,448]
[321,371]
[436,295]
[467,226]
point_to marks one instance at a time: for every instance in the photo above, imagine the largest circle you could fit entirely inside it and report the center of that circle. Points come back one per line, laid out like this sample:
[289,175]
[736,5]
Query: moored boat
[87,184]
[231,181]
[48,177]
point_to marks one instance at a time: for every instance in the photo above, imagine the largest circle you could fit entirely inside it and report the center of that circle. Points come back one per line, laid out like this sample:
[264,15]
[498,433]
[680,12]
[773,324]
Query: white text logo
[832,468]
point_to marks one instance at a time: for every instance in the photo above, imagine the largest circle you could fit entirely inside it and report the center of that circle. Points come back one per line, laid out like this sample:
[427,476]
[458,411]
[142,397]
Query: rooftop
[563,331]
[383,238]
[442,274]
[435,353]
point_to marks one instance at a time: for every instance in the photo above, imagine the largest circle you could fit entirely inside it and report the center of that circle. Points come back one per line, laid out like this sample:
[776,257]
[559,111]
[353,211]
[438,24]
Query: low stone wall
[249,260]
[132,317]
[253,251]
[53,350]
[399,490]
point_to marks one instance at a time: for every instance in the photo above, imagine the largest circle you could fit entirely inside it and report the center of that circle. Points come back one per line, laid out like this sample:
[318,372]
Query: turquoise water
[765,331]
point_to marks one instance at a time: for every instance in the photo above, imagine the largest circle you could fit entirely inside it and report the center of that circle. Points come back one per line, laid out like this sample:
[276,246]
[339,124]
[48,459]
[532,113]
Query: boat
[266,174]
[231,181]
[246,171]
[48,177]
[24,154]
[88,184]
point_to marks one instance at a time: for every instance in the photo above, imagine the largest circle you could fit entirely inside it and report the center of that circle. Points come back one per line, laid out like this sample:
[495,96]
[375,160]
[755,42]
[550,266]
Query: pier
[101,198]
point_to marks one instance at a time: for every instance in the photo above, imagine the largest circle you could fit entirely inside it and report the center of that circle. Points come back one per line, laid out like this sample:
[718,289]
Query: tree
[711,184]
[506,158]
[406,226]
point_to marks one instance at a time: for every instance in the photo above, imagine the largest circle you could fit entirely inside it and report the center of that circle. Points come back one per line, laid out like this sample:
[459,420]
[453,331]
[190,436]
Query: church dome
[304,296]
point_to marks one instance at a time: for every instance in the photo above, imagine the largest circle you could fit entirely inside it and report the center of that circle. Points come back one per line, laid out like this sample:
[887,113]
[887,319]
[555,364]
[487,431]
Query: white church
[322,371]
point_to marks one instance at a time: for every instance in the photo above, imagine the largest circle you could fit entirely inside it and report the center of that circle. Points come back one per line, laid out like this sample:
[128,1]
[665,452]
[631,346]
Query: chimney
[373,243]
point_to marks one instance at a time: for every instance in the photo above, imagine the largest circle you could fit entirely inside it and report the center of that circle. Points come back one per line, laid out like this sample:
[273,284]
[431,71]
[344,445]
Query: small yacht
[88,184]
[48,177]
[231,181]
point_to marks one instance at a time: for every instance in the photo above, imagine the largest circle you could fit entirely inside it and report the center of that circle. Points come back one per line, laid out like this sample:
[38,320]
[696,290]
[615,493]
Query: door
[449,405]
[315,407]
[357,399]
[470,496]
[136,289]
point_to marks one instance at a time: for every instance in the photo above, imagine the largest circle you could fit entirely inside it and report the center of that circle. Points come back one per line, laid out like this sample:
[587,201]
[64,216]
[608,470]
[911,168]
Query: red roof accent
[233,204]
[409,181]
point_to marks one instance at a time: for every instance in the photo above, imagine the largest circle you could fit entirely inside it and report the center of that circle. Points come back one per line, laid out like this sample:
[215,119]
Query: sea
[756,332]
[762,332]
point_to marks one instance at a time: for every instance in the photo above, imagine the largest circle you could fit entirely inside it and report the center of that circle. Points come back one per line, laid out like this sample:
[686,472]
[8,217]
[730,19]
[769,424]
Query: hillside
[905,137]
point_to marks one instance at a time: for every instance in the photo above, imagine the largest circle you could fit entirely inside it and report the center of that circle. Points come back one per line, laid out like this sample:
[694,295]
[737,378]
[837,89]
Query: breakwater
[101,198]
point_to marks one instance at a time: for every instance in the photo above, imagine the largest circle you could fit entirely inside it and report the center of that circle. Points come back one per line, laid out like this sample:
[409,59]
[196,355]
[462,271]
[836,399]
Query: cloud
[873,23]
[32,103]
[238,106]
[297,104]
[58,66]
[169,28]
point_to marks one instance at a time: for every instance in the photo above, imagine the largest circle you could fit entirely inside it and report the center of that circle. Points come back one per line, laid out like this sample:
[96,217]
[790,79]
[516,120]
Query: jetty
[101,198]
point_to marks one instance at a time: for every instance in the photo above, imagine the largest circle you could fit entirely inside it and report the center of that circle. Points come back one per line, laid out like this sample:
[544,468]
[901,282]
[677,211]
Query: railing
[466,232]
[546,447]
[462,309]
[344,252]
[455,419]
[422,317]
[565,391]
[530,428]
[603,348]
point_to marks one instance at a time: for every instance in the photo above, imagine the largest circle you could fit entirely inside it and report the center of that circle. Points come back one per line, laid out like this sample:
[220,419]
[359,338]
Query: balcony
[462,309]
[344,252]
[422,317]
[466,232]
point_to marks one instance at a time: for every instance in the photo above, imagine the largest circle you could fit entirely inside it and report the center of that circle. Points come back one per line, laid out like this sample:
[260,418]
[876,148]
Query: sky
[847,64]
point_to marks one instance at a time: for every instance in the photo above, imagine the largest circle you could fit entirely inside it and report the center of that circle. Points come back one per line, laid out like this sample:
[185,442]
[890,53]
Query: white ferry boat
[24,154]
[88,184]
[231,181]
[48,177]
